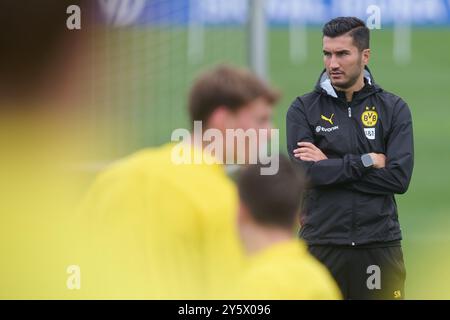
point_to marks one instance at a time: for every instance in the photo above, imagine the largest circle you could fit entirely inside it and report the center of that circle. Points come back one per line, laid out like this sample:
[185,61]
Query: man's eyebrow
[337,51]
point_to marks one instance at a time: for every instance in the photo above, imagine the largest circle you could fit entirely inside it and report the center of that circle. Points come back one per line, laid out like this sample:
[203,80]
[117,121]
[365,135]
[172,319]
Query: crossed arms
[391,172]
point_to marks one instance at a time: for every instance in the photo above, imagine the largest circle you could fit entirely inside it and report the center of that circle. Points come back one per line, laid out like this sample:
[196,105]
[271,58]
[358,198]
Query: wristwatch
[367,160]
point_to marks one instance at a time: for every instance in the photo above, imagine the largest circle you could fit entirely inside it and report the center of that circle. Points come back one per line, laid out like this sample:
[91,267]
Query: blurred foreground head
[221,97]
[40,58]
[232,98]
[269,204]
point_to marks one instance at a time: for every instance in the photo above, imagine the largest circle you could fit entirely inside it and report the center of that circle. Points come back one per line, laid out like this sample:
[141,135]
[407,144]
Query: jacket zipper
[353,200]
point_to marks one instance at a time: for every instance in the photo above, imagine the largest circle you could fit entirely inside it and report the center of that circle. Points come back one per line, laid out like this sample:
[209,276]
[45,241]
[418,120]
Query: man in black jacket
[355,142]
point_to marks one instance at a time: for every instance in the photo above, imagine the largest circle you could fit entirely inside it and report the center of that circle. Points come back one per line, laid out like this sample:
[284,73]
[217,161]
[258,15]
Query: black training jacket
[346,203]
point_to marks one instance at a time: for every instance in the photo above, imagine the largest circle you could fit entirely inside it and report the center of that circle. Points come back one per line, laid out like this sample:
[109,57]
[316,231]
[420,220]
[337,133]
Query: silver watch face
[366,160]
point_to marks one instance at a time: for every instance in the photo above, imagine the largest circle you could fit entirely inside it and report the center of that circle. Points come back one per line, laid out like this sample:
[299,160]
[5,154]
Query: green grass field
[147,74]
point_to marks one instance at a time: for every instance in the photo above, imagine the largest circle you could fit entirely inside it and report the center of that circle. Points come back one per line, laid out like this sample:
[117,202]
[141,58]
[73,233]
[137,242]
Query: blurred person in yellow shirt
[279,265]
[43,80]
[158,228]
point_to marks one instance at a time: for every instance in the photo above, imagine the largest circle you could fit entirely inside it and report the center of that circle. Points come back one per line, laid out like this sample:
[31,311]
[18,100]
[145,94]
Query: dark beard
[348,84]
[353,80]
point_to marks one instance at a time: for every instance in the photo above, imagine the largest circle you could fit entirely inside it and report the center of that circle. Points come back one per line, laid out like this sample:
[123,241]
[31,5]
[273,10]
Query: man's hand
[379,160]
[309,152]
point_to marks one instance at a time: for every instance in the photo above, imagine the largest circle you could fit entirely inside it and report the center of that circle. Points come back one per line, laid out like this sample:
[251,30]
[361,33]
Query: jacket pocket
[372,218]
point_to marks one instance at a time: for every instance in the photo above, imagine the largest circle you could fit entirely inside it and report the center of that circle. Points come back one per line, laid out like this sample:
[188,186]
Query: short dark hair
[227,86]
[355,28]
[34,39]
[273,200]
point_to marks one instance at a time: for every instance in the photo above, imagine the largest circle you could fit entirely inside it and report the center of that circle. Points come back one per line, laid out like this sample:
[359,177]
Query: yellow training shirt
[286,271]
[157,230]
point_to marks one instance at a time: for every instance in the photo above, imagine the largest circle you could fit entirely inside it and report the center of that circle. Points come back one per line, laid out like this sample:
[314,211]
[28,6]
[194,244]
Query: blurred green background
[144,75]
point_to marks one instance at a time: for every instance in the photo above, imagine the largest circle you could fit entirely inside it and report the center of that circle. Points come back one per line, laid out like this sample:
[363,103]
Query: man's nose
[333,63]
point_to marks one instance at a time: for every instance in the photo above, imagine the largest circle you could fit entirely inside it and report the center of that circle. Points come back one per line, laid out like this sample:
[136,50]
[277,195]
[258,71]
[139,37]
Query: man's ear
[366,56]
[218,118]
[243,213]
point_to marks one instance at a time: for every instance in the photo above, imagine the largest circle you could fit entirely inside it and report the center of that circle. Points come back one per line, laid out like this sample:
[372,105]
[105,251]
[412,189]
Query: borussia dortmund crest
[369,117]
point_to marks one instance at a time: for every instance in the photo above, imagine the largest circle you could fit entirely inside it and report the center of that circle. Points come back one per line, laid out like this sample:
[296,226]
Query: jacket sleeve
[325,172]
[396,176]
